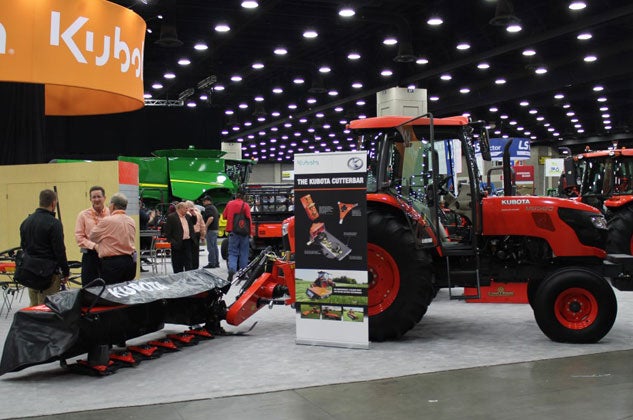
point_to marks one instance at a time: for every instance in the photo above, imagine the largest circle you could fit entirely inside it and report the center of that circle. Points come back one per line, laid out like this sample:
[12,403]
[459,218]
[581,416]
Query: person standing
[238,244]
[86,221]
[178,230]
[42,236]
[114,242]
[211,219]
[199,233]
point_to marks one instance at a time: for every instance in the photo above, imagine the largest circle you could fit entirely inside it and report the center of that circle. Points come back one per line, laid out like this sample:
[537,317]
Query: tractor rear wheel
[400,285]
[620,238]
[575,306]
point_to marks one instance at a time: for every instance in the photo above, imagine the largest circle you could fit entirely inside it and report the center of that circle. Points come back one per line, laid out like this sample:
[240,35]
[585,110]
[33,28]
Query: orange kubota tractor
[555,245]
[604,179]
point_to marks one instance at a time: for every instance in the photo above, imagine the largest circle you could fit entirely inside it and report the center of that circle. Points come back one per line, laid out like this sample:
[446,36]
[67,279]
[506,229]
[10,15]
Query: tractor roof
[391,121]
[603,153]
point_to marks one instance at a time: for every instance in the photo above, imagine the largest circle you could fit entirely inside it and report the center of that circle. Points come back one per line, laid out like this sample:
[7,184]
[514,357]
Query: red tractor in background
[604,179]
[555,245]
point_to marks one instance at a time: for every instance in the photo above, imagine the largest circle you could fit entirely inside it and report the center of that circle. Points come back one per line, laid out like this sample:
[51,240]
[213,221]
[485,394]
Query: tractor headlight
[599,221]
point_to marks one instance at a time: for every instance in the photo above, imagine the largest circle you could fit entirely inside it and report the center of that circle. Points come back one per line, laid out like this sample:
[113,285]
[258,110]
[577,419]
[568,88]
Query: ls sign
[519,150]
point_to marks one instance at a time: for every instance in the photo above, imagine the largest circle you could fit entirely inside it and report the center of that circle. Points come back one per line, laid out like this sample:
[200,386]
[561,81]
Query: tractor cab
[413,165]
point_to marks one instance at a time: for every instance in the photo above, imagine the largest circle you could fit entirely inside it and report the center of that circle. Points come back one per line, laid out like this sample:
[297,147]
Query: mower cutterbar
[93,319]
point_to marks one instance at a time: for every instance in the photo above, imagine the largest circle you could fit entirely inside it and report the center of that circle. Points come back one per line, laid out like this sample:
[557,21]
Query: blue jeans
[212,247]
[238,251]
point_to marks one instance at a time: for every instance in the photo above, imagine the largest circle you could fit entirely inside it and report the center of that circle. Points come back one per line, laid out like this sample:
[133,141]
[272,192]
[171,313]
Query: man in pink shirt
[114,238]
[86,221]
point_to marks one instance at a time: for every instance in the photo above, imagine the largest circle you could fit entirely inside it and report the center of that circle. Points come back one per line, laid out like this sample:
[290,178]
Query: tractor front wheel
[575,306]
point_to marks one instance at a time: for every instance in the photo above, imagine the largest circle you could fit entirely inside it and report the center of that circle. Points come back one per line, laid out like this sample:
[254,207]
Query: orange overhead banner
[88,53]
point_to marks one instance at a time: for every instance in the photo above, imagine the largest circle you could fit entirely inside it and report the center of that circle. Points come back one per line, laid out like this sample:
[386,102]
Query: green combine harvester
[189,174]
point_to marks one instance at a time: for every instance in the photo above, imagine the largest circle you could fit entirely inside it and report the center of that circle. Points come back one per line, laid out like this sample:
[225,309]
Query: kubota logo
[3,40]
[515,201]
[121,51]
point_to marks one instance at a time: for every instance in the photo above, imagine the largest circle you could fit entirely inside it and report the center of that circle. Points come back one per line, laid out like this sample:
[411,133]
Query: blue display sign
[519,150]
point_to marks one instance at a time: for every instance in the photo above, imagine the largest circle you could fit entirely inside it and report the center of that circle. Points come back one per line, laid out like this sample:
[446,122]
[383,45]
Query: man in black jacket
[179,233]
[42,236]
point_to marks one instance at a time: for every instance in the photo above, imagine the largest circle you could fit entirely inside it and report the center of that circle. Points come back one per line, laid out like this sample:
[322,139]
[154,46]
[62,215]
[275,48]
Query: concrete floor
[597,386]
[463,361]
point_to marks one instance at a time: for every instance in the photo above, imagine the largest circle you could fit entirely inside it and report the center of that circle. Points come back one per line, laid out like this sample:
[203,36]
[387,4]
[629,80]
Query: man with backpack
[42,241]
[238,225]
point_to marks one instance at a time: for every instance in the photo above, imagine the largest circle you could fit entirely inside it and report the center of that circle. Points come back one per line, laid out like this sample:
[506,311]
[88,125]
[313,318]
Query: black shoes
[211,266]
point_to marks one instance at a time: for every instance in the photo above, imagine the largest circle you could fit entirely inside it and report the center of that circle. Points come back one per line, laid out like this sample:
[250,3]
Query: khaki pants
[37,298]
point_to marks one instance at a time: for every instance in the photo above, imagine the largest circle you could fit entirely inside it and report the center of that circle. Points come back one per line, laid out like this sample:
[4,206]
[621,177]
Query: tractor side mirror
[484,145]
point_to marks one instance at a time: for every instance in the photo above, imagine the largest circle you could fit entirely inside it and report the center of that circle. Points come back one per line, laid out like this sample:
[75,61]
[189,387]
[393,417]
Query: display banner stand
[331,280]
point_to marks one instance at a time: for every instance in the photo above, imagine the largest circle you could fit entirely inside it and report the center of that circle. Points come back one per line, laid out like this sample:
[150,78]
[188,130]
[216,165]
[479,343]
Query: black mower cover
[70,321]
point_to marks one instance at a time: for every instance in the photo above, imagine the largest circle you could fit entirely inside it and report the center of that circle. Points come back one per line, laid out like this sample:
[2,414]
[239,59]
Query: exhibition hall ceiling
[288,75]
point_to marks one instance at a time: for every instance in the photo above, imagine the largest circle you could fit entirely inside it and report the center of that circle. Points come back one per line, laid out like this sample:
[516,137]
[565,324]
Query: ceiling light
[353,56]
[577,5]
[483,66]
[390,41]
[529,52]
[590,58]
[463,46]
[346,12]
[357,85]
[310,34]
[559,96]
[169,76]
[386,73]
[540,70]
[280,51]
[147,95]
[493,109]
[524,103]
[338,109]
[464,91]
[236,78]
[606,115]
[157,86]
[598,88]
[584,36]
[298,80]
[533,111]
[218,88]
[446,77]
[277,90]
[222,27]
[514,27]
[500,81]
[259,98]
[602,99]
[184,61]
[324,69]
[434,98]
[200,46]
[250,4]
[258,65]
[333,92]
[191,104]
[604,108]
[229,112]
[422,60]
[310,101]
[435,21]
